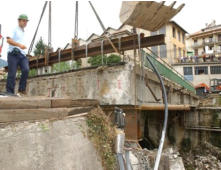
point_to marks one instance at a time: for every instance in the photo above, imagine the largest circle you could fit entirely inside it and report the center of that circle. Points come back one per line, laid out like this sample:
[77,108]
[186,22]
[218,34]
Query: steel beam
[94,48]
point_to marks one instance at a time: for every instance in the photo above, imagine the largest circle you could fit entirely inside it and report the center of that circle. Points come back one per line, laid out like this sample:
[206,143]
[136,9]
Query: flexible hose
[157,162]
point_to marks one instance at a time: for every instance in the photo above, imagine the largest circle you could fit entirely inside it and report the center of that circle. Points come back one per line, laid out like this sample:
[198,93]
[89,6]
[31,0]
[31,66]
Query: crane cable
[49,26]
[76,21]
[104,29]
[36,31]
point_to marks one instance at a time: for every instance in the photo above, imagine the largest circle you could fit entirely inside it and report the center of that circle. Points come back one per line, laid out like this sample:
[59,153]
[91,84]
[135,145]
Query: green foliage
[76,64]
[32,73]
[101,133]
[61,67]
[97,60]
[66,66]
[113,58]
[40,48]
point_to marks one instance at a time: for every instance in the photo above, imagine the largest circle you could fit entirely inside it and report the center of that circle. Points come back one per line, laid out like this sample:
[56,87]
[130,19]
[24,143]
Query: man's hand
[22,47]
[12,42]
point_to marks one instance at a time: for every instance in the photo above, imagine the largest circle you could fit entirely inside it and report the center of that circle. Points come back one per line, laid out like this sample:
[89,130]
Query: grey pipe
[157,162]
[128,163]
[120,161]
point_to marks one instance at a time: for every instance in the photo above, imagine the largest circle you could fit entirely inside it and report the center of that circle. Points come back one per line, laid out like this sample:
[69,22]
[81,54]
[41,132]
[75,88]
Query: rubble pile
[142,159]
[201,159]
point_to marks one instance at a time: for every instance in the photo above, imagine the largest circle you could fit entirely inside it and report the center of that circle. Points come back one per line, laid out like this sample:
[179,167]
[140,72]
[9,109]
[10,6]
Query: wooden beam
[16,115]
[25,102]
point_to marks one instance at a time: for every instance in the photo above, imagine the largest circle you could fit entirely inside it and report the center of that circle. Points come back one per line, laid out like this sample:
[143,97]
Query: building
[204,61]
[171,52]
[175,47]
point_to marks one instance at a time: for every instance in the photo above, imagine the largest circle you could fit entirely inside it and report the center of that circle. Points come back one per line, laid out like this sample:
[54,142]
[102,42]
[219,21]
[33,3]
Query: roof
[92,36]
[207,30]
[173,22]
[109,29]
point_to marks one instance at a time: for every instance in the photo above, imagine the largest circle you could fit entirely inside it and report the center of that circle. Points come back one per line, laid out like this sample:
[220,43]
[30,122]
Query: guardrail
[167,71]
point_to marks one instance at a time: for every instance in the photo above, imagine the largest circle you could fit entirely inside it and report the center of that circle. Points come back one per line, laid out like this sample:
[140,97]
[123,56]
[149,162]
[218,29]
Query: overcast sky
[192,18]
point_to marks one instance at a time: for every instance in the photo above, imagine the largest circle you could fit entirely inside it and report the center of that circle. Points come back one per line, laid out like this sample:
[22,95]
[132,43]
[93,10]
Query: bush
[97,60]
[62,66]
[32,73]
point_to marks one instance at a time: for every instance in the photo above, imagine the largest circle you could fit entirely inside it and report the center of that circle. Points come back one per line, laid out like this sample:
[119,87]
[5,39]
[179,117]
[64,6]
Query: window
[210,47]
[211,39]
[154,33]
[219,37]
[215,69]
[180,55]
[174,50]
[201,70]
[163,51]
[155,49]
[196,51]
[179,36]
[174,32]
[162,30]
[184,38]
[195,41]
[187,71]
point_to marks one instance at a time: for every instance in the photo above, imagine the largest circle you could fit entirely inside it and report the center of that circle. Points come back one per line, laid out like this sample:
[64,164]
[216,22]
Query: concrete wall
[51,145]
[109,85]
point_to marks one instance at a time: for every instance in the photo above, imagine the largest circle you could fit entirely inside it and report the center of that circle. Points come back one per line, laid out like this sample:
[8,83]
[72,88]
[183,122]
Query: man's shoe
[7,94]
[21,94]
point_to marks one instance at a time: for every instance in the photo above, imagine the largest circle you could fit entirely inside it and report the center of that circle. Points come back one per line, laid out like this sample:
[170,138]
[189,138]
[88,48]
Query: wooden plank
[24,102]
[84,102]
[148,15]
[61,102]
[15,115]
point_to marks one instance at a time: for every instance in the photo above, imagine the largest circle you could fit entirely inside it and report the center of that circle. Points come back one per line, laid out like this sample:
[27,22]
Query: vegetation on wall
[101,133]
[32,73]
[66,66]
[97,60]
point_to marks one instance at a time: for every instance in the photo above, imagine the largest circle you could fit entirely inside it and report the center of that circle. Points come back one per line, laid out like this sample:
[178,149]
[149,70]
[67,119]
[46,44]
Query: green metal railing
[167,71]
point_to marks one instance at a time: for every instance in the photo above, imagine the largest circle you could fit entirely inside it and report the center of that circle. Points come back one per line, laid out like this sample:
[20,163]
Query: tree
[40,48]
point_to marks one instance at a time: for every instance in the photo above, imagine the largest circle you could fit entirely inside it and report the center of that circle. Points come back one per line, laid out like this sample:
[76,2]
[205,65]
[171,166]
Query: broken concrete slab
[51,145]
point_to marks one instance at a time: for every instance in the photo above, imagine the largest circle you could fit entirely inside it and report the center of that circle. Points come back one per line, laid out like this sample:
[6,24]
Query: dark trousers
[13,62]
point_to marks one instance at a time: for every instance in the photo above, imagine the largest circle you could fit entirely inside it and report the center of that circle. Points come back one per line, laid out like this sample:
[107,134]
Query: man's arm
[12,42]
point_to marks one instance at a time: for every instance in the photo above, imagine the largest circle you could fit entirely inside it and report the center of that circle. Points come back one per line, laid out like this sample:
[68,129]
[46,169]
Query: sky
[192,18]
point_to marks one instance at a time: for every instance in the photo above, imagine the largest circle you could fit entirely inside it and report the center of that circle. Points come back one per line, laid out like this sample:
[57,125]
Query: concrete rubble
[142,159]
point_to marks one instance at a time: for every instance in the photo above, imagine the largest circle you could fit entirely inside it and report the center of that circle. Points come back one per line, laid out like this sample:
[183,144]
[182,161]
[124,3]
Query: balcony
[206,43]
[209,58]
[197,45]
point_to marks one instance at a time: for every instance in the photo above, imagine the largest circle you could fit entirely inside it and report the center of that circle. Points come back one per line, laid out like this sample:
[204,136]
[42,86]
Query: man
[17,57]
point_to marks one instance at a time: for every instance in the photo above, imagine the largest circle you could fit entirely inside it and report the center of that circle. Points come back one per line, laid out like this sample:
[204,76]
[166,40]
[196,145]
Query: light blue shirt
[18,35]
